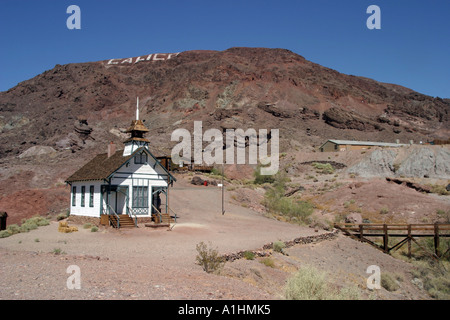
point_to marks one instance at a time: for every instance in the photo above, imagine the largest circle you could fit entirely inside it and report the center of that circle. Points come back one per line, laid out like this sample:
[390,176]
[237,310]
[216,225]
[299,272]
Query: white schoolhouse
[125,185]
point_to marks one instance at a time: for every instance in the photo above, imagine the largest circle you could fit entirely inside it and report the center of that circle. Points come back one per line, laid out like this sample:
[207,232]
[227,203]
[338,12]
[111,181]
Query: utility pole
[223,191]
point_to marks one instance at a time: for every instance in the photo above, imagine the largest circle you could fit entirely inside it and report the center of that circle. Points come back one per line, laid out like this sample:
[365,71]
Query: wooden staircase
[125,221]
[160,221]
[166,218]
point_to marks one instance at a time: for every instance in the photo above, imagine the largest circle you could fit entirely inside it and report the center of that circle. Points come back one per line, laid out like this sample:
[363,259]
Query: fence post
[385,239]
[436,239]
[361,227]
[409,241]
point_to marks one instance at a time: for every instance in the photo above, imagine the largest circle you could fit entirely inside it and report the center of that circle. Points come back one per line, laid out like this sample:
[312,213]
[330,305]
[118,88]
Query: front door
[156,200]
[115,199]
[122,200]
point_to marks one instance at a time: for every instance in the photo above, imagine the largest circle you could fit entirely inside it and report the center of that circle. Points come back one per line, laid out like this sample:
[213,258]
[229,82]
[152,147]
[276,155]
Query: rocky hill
[53,123]
[82,106]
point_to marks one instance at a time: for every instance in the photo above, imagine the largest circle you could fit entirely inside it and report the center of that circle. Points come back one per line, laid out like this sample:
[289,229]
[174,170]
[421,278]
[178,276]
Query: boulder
[197,181]
[36,151]
[354,218]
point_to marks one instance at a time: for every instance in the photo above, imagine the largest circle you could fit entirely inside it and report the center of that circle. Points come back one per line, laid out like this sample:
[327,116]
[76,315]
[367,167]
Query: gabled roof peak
[101,167]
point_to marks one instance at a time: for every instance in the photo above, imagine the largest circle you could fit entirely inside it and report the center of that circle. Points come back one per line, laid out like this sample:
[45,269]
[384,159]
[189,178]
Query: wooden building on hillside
[345,145]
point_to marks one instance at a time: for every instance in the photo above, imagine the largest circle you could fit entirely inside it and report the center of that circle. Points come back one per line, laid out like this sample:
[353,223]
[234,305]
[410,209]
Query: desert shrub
[308,283]
[208,258]
[388,282]
[268,262]
[94,229]
[384,211]
[36,220]
[249,255]
[5,233]
[444,214]
[435,278]
[439,189]
[428,245]
[260,178]
[33,223]
[278,246]
[438,286]
[323,168]
[62,216]
[27,226]
[87,225]
[292,208]
[13,229]
[58,251]
[276,202]
[216,172]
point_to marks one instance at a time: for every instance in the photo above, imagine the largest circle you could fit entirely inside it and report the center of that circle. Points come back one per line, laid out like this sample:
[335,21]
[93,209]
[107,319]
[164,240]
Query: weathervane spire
[137,109]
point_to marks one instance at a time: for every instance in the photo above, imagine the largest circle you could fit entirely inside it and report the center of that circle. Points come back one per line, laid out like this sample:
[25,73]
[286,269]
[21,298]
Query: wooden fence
[406,232]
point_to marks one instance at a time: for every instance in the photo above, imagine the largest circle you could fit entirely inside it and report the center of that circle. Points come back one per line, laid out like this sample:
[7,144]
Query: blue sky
[412,48]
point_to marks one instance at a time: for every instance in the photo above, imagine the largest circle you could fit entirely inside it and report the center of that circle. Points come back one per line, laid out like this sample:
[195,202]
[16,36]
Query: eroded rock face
[420,161]
[379,163]
[342,119]
[426,162]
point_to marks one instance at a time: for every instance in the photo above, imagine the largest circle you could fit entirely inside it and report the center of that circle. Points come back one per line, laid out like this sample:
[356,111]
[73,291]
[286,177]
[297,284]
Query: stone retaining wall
[264,252]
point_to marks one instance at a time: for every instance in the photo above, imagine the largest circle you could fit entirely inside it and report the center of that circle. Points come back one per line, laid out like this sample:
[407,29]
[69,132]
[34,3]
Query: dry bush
[208,258]
[311,284]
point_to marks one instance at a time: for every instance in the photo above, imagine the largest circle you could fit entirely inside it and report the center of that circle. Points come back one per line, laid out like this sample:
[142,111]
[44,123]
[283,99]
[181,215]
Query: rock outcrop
[426,162]
[379,163]
[413,161]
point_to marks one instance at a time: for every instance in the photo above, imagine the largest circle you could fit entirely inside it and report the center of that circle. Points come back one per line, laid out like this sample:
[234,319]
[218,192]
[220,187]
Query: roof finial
[137,109]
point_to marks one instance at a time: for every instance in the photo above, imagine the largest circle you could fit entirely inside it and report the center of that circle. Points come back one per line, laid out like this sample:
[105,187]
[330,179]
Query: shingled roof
[101,167]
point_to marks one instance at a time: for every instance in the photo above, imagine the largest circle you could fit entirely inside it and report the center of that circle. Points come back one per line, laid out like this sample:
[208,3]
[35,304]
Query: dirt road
[146,263]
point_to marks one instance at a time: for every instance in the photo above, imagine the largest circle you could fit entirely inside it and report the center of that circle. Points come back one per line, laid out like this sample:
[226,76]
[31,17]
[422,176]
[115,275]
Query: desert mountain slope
[54,123]
[85,105]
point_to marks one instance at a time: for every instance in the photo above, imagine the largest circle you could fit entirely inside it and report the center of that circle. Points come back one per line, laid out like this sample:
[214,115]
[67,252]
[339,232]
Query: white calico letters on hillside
[150,57]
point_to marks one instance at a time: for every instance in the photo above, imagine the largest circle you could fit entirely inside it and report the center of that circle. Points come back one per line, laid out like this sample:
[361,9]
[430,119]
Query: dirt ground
[146,263]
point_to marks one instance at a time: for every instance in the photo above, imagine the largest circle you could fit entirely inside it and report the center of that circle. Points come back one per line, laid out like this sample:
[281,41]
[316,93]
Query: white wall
[78,210]
[141,175]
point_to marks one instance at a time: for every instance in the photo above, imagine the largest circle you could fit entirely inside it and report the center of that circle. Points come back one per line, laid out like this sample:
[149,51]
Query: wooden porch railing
[160,216]
[115,214]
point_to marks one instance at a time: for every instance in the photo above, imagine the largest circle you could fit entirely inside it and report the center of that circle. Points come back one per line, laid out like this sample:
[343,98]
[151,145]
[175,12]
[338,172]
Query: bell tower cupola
[137,131]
